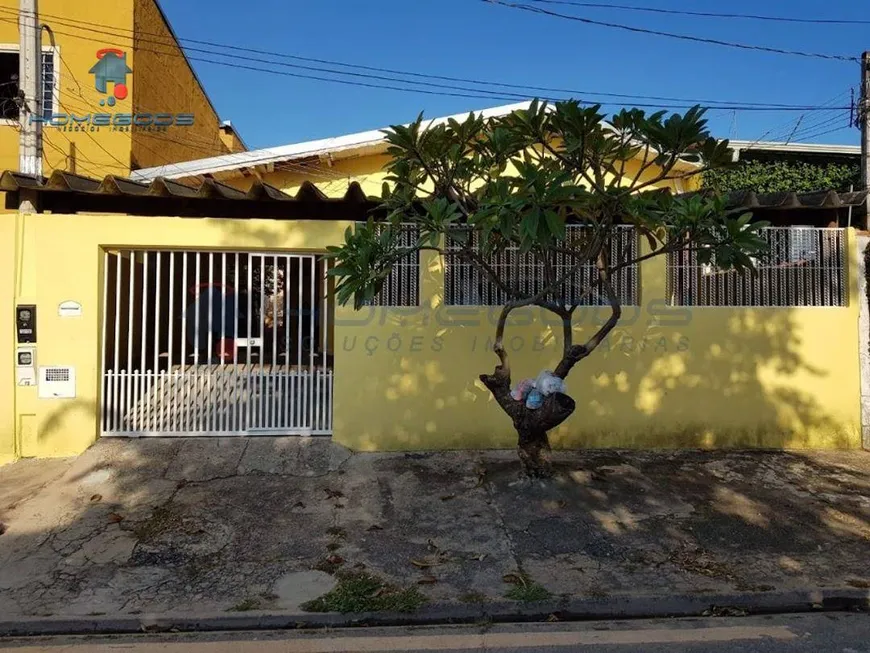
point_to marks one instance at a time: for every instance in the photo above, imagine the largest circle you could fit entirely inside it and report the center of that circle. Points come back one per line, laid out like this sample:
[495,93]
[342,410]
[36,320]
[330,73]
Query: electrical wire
[801,133]
[823,132]
[487,94]
[672,35]
[705,14]
[788,128]
[173,51]
[822,116]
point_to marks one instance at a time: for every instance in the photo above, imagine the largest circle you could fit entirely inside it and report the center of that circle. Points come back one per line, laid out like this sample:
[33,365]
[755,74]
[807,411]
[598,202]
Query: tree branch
[571,164]
[503,370]
[579,352]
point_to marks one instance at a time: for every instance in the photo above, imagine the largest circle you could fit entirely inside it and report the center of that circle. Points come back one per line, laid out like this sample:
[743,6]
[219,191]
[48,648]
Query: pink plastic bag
[522,389]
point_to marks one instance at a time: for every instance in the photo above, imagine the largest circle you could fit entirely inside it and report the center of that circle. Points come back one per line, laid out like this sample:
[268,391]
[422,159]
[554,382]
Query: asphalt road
[815,633]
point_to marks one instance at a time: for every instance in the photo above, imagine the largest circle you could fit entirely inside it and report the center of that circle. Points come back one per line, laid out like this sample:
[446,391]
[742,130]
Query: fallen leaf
[374,527]
[513,579]
[481,557]
[447,497]
[421,564]
[552,618]
[96,497]
[427,580]
[335,559]
[114,518]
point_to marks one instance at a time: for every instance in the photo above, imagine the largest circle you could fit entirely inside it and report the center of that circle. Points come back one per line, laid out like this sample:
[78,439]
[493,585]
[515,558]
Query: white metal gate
[216,343]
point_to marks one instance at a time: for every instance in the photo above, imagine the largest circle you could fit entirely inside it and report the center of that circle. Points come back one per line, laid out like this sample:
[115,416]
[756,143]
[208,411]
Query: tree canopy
[477,187]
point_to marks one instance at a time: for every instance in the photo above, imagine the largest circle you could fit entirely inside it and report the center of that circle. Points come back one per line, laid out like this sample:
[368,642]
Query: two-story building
[118,92]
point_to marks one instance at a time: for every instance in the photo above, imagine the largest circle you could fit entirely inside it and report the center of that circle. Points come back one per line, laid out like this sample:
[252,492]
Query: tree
[476,187]
[784,176]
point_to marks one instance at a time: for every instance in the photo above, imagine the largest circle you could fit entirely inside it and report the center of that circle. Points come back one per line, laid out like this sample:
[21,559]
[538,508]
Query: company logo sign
[111,73]
[111,67]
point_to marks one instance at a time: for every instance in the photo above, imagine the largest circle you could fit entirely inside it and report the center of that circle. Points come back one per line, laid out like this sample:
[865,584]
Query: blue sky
[472,39]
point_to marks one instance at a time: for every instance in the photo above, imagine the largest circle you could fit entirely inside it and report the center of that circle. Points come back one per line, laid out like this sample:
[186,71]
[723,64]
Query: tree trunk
[533,448]
[533,445]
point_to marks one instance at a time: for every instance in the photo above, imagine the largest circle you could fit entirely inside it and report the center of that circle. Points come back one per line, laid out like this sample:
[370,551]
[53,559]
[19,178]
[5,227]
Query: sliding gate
[216,343]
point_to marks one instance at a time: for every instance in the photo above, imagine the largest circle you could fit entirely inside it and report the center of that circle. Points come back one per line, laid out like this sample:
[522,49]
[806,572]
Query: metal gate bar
[184,353]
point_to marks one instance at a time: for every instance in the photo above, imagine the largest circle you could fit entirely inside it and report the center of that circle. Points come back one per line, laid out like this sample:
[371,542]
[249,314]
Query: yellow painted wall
[407,378]
[103,151]
[231,139]
[7,376]
[165,82]
[97,153]
[159,83]
[666,377]
[368,171]
[59,427]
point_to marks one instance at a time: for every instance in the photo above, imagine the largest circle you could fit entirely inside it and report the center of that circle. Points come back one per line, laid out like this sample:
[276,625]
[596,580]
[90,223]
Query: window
[49,92]
[466,285]
[402,287]
[9,83]
[805,267]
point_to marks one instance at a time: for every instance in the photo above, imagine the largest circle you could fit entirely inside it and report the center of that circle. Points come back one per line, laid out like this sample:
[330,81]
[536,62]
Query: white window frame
[10,48]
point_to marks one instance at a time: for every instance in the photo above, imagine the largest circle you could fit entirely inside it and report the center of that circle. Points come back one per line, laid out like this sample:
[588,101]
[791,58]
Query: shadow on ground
[220,524]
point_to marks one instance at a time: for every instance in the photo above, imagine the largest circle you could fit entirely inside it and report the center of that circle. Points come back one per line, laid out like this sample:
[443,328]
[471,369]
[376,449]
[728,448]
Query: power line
[820,117]
[285,73]
[672,35]
[823,133]
[500,95]
[802,133]
[705,14]
[125,167]
[301,167]
[45,132]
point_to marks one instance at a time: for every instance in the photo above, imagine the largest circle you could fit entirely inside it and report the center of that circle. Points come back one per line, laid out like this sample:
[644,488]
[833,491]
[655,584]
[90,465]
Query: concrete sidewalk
[164,526]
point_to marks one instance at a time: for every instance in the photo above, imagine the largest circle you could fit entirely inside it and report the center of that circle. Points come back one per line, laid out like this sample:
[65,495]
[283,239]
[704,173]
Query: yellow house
[194,302]
[149,77]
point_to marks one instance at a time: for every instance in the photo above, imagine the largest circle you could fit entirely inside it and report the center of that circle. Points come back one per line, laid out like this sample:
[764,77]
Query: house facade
[196,303]
[118,93]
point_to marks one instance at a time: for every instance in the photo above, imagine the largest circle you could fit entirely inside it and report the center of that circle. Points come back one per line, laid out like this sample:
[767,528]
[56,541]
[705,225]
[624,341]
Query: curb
[628,607]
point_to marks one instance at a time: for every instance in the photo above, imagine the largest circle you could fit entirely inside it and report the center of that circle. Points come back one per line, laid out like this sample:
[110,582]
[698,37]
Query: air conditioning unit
[57,382]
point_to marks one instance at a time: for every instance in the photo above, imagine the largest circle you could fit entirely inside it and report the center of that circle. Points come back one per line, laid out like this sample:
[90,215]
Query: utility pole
[864,122]
[29,88]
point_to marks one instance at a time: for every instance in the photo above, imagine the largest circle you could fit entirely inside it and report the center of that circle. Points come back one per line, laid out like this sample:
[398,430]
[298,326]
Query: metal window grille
[48,90]
[806,266]
[402,287]
[466,285]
